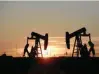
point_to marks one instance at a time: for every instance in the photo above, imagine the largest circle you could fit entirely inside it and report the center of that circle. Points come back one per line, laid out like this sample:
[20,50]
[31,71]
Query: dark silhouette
[52,65]
[77,34]
[4,55]
[26,49]
[35,36]
[33,52]
[81,50]
[91,48]
[84,51]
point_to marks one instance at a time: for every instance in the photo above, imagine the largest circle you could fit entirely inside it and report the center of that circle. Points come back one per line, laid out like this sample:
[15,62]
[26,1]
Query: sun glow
[50,52]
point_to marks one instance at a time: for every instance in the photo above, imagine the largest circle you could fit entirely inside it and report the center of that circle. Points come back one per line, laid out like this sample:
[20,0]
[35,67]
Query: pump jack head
[46,41]
[67,40]
[38,36]
[74,34]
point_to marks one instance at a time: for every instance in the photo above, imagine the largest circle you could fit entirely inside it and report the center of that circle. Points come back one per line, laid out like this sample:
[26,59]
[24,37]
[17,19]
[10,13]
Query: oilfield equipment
[78,41]
[37,49]
[77,47]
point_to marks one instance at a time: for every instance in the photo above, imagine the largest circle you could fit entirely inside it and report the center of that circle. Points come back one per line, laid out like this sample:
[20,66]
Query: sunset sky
[18,19]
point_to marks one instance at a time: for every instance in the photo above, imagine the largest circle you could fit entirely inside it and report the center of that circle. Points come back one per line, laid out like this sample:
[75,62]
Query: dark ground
[62,65]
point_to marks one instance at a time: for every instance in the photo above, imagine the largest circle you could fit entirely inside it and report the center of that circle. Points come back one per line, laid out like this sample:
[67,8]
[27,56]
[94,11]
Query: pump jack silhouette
[37,37]
[78,41]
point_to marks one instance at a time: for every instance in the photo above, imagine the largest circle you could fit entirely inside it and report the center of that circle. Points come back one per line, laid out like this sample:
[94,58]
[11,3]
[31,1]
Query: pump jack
[37,37]
[77,34]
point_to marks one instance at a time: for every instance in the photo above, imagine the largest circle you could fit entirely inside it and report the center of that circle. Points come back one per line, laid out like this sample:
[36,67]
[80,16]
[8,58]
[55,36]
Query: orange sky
[18,19]
[56,47]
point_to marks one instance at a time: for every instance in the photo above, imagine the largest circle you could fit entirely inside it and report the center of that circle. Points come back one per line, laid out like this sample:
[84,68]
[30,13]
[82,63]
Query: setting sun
[49,52]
